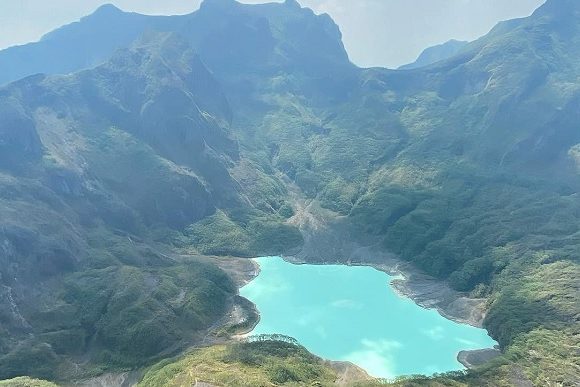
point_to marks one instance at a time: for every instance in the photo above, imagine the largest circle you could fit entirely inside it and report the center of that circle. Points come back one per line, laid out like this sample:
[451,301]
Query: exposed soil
[473,359]
[123,379]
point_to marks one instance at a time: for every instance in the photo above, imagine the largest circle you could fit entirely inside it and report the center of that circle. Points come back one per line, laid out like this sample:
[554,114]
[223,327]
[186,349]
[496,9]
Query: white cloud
[346,304]
[258,290]
[468,343]
[376,357]
[435,333]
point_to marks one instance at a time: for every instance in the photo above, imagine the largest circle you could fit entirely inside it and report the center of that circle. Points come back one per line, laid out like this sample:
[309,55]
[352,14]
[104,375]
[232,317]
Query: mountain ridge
[435,54]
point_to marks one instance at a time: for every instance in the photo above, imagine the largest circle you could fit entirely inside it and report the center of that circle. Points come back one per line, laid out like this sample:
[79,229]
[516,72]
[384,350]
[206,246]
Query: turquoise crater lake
[351,313]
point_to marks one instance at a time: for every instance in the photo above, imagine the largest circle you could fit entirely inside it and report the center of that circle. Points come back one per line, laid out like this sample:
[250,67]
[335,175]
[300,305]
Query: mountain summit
[106,11]
[262,38]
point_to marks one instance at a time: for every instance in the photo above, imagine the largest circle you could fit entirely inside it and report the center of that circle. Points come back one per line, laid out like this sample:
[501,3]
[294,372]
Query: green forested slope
[99,169]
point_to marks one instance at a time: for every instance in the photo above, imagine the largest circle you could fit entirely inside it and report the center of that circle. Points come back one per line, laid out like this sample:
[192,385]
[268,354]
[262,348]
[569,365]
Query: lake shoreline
[245,332]
[458,353]
[470,359]
[332,239]
[419,288]
[243,314]
[478,357]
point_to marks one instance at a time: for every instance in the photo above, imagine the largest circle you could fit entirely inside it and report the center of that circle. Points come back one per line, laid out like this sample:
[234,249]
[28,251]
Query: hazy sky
[376,32]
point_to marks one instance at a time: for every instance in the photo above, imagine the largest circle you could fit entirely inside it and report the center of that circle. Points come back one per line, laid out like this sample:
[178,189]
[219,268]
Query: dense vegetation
[200,143]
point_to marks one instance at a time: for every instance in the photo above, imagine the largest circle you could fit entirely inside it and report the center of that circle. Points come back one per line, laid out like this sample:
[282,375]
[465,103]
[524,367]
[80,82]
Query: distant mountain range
[436,54]
[134,148]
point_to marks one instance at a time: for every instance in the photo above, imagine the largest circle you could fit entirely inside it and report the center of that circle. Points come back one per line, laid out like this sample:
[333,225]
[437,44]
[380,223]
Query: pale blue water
[351,313]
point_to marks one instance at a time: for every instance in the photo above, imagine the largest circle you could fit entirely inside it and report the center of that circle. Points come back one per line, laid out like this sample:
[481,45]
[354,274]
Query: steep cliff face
[269,38]
[19,141]
[230,37]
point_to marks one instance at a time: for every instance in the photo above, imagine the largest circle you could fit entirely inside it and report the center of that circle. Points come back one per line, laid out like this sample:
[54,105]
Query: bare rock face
[19,141]
[123,379]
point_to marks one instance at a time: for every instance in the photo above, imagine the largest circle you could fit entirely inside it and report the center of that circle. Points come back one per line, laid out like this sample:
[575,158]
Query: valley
[137,182]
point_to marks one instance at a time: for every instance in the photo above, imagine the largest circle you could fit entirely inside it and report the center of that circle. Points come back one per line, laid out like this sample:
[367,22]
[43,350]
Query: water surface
[351,313]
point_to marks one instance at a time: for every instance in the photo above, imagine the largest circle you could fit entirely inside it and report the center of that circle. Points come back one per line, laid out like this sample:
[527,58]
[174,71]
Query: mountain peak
[107,9]
[292,3]
[218,3]
[559,8]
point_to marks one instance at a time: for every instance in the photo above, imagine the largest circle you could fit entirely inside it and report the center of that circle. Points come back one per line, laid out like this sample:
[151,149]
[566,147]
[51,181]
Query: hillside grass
[243,365]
